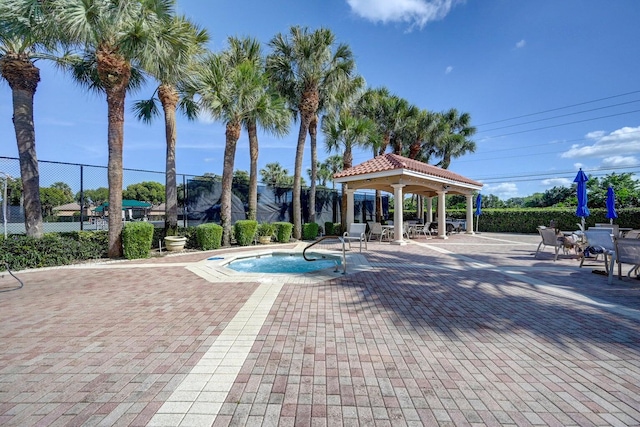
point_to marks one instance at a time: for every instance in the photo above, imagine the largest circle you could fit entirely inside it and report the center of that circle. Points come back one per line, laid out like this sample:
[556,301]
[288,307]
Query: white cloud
[504,190]
[417,13]
[557,182]
[620,161]
[521,44]
[623,142]
[578,166]
[448,69]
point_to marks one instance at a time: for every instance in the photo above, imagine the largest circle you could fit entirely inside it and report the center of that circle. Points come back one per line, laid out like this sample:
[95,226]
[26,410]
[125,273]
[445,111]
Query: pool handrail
[320,239]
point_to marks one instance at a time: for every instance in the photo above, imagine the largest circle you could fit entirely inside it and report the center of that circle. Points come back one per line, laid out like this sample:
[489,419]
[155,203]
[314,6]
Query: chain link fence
[73,197]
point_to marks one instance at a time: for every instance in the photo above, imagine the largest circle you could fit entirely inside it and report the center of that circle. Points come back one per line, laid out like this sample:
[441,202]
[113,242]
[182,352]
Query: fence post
[81,198]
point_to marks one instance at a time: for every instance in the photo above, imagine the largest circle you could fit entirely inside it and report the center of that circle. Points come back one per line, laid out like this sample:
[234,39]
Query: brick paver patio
[466,331]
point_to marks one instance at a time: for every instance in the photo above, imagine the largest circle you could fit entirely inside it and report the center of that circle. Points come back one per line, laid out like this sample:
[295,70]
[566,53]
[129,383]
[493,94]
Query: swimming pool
[287,263]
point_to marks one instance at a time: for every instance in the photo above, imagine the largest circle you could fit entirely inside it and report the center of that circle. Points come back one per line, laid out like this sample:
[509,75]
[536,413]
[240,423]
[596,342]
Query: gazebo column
[398,204]
[442,223]
[429,209]
[470,214]
[350,206]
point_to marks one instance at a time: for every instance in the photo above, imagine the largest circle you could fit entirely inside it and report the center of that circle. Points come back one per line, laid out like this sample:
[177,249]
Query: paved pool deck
[472,330]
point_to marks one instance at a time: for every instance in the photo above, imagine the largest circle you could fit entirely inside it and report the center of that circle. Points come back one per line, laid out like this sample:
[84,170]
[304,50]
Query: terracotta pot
[175,243]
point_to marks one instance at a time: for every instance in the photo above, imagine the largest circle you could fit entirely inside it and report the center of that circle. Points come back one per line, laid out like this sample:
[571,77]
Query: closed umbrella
[611,205]
[581,192]
[478,209]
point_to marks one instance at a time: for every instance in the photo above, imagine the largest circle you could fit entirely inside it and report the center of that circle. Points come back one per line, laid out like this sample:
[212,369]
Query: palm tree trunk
[169,98]
[313,134]
[232,134]
[253,170]
[115,137]
[23,78]
[347,162]
[114,72]
[297,208]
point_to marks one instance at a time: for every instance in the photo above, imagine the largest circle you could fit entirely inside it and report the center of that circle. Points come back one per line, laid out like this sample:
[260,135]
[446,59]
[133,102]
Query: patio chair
[356,233]
[632,234]
[550,238]
[598,242]
[376,230]
[423,229]
[627,251]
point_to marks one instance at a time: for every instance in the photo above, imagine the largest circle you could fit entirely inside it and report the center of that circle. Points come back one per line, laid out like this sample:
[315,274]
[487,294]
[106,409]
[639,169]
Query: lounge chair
[599,242]
[356,233]
[627,251]
[551,238]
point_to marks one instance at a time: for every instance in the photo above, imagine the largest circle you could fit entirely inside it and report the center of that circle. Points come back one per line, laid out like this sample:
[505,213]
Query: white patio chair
[599,242]
[627,251]
[356,233]
[550,238]
[376,230]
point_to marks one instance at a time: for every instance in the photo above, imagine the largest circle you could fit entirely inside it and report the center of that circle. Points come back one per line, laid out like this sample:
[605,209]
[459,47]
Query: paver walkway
[467,331]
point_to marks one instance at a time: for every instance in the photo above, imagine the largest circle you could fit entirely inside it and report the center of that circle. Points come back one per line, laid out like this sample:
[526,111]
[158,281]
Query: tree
[274,175]
[114,37]
[65,188]
[333,164]
[147,191]
[52,197]
[344,131]
[270,112]
[455,142]
[26,34]
[300,64]
[229,92]
[94,197]
[183,41]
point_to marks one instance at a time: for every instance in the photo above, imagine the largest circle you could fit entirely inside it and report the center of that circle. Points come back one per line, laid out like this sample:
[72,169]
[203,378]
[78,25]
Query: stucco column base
[399,242]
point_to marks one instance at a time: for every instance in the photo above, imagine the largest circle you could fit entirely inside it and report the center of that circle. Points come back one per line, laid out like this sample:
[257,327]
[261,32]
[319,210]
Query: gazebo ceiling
[385,170]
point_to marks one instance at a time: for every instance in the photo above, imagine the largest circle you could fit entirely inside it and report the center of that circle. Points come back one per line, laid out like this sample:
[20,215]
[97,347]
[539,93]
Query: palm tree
[25,36]
[455,142]
[301,64]
[183,42]
[273,174]
[230,92]
[270,111]
[344,131]
[116,37]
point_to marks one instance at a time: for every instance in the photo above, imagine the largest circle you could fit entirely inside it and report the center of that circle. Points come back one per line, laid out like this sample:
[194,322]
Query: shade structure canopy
[126,204]
[611,204]
[399,175]
[581,192]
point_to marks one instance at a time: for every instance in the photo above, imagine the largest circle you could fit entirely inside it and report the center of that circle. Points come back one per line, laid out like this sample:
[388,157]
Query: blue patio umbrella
[611,205]
[581,192]
[478,209]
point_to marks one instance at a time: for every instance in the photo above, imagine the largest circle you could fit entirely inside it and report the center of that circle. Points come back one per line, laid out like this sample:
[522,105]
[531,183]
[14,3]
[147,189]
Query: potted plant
[174,243]
[265,232]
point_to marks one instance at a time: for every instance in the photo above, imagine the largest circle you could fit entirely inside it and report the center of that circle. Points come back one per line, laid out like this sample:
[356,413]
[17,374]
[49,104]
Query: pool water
[285,263]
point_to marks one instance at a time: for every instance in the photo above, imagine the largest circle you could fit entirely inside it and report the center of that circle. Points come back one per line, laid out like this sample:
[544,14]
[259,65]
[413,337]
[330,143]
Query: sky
[552,86]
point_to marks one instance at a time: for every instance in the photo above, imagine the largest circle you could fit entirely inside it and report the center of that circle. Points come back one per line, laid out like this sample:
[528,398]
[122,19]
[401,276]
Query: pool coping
[215,270]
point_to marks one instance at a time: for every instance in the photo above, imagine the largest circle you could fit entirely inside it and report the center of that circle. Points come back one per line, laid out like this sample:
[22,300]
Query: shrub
[309,231]
[266,229]
[209,236]
[136,239]
[20,252]
[244,230]
[328,228]
[283,232]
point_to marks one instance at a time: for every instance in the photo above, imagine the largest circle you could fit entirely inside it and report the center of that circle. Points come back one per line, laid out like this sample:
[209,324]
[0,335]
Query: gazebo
[400,175]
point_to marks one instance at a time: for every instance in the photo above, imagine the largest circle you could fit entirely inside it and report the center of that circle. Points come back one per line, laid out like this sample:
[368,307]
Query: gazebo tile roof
[390,161]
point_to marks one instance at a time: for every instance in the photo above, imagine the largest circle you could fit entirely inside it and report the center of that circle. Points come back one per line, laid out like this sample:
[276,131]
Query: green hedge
[309,231]
[209,236]
[527,220]
[283,231]
[136,239]
[244,231]
[20,252]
